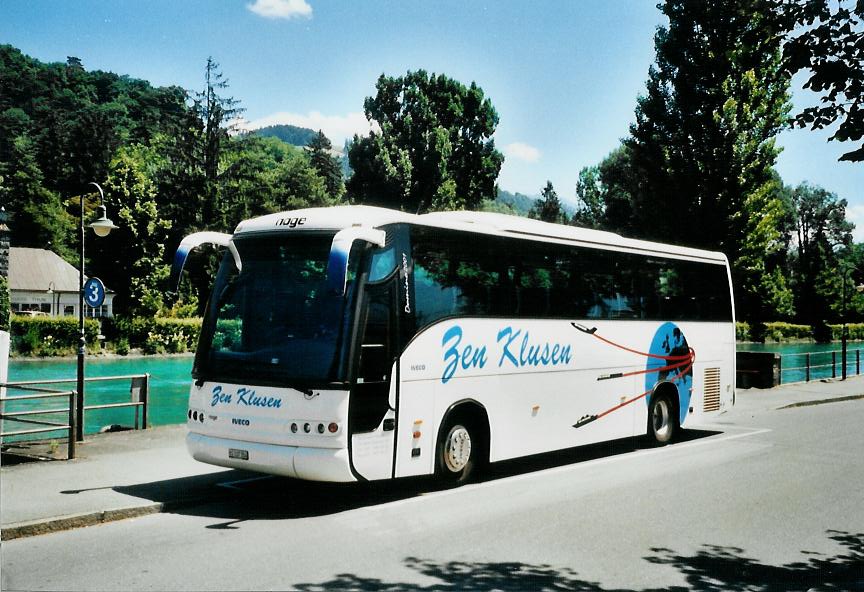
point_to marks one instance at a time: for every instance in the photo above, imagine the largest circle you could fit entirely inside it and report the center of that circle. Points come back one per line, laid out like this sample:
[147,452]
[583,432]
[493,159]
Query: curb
[821,402]
[19,530]
[56,524]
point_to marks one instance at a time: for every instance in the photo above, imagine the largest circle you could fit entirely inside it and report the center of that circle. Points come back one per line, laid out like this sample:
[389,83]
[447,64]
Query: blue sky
[563,75]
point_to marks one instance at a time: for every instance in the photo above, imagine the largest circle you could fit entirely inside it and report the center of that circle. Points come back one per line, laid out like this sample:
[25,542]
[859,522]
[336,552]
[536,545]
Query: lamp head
[102,226]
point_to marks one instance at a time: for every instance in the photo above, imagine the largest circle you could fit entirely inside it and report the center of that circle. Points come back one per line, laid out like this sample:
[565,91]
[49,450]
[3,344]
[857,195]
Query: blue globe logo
[671,360]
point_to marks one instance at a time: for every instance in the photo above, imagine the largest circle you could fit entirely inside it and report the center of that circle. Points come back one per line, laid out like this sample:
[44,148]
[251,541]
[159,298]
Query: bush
[855,331]
[47,336]
[155,335]
[780,331]
[122,346]
[5,309]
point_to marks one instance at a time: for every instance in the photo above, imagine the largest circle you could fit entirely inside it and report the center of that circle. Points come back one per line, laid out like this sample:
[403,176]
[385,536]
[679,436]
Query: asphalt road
[767,500]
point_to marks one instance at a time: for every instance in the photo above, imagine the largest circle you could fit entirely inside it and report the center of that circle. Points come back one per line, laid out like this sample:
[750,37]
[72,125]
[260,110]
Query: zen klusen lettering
[514,352]
[245,397]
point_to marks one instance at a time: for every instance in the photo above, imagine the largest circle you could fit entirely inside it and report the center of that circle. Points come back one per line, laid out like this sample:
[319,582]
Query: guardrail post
[779,370]
[808,367]
[857,361]
[135,386]
[145,397]
[833,364]
[70,446]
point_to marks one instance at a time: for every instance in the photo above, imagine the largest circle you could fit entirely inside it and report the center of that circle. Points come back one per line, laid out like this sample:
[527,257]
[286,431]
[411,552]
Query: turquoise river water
[170,378]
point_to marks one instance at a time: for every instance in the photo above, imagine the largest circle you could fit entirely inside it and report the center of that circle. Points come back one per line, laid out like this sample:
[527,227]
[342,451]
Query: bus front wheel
[662,420]
[459,449]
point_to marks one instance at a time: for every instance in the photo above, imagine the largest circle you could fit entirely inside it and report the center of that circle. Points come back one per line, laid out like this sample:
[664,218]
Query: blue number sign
[94,292]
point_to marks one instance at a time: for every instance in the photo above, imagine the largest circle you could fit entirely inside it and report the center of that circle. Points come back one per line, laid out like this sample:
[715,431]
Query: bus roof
[338,217]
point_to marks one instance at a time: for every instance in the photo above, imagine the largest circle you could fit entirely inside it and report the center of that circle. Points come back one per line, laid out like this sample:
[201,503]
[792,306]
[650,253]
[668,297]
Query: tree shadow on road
[717,569]
[712,569]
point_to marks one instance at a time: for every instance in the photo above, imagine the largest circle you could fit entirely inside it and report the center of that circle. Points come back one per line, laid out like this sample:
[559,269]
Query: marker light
[320,428]
[293,428]
[307,428]
[333,427]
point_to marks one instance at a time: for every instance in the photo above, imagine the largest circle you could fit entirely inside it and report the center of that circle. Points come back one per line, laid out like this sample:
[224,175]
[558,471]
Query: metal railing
[139,391]
[807,366]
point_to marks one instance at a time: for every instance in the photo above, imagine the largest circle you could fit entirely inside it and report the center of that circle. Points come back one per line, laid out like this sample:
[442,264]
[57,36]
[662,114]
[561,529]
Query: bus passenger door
[372,420]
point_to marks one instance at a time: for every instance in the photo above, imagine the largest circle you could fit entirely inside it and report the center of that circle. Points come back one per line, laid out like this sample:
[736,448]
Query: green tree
[329,167]
[132,260]
[434,149]
[39,218]
[548,207]
[604,197]
[821,229]
[826,39]
[703,146]
[60,126]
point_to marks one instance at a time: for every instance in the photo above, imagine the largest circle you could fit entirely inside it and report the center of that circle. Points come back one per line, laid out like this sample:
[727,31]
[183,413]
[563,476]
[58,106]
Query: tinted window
[465,274]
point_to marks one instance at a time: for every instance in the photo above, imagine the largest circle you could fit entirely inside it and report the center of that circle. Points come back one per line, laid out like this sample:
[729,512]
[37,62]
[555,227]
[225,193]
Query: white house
[41,282]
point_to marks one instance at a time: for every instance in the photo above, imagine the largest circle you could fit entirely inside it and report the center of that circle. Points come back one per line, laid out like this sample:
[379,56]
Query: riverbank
[132,355]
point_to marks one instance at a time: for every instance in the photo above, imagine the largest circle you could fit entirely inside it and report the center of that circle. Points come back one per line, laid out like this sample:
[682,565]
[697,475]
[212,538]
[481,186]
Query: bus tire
[662,419]
[459,452]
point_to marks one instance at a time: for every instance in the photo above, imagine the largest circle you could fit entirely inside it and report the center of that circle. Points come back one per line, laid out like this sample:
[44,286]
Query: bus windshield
[275,321]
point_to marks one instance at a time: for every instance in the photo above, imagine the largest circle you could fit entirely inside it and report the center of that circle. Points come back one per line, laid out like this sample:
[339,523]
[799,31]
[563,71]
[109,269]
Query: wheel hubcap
[457,449]
[661,418]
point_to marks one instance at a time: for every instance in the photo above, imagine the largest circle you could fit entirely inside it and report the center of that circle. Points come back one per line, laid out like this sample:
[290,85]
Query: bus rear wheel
[458,452]
[662,420]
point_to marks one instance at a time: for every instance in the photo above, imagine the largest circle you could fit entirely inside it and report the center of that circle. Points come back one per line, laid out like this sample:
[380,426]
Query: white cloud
[336,127]
[521,151]
[281,9]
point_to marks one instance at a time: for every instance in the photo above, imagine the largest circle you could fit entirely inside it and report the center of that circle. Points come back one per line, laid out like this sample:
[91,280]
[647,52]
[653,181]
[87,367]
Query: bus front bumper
[312,464]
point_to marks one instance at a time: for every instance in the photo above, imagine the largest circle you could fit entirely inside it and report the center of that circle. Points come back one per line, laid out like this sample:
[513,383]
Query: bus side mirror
[337,264]
[193,241]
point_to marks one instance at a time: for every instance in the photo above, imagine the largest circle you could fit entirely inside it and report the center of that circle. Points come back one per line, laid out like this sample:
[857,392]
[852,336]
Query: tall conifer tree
[703,143]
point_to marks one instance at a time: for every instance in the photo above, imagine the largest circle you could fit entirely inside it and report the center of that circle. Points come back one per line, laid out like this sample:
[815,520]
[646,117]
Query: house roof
[35,270]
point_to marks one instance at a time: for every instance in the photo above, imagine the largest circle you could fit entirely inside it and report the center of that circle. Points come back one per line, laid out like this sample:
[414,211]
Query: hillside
[520,202]
[290,134]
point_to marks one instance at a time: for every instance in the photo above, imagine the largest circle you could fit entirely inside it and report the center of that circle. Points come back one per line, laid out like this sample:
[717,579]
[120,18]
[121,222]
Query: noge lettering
[515,349]
[291,222]
[243,397]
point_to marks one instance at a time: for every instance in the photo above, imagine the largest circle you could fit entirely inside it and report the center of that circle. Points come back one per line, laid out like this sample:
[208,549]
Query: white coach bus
[355,343]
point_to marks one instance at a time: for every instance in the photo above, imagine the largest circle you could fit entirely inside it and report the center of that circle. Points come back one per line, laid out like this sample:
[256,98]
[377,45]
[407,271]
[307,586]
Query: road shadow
[712,569]
[239,496]
[581,454]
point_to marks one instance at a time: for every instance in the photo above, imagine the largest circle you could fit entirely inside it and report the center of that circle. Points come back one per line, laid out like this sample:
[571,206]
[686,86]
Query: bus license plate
[238,454]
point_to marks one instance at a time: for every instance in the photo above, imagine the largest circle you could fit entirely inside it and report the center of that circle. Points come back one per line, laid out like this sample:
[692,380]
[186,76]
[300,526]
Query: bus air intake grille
[712,390]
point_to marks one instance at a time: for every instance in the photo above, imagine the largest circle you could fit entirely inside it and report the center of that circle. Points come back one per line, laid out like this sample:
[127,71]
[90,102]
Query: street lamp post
[51,292]
[101,226]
